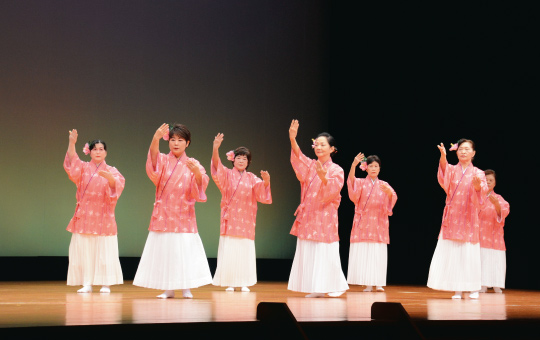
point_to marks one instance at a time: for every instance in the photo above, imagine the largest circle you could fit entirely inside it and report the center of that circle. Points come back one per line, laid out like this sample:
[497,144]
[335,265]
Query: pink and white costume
[316,266]
[456,262]
[492,246]
[240,192]
[174,257]
[93,251]
[368,257]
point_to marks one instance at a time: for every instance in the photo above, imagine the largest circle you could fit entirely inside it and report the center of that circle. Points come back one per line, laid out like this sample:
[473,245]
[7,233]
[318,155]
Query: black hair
[181,131]
[490,172]
[93,143]
[373,158]
[464,140]
[243,151]
[330,139]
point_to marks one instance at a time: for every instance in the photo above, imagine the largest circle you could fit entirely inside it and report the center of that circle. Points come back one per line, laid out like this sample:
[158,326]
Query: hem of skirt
[97,284]
[366,284]
[319,292]
[175,286]
[221,284]
[460,289]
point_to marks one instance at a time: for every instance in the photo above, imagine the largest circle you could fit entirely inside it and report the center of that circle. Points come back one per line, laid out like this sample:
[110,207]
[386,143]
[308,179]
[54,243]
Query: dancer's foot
[457,295]
[483,290]
[315,295]
[474,295]
[336,294]
[497,290]
[85,289]
[380,289]
[245,289]
[368,289]
[166,294]
[186,293]
[105,289]
[230,289]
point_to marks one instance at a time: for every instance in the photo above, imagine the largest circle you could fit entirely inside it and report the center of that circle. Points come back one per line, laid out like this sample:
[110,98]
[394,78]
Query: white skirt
[455,266]
[316,268]
[236,262]
[493,267]
[173,261]
[93,260]
[367,264]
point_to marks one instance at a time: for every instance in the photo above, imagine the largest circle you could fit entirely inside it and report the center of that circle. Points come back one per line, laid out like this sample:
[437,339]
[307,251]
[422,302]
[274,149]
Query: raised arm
[293,131]
[215,151]
[442,161]
[154,146]
[354,164]
[71,152]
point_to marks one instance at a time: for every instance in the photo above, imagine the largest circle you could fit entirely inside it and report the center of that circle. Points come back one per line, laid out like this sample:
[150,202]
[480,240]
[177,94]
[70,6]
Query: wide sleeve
[445,177]
[155,173]
[74,169]
[391,201]
[219,175]
[354,187]
[262,193]
[335,178]
[505,210]
[120,182]
[300,165]
[198,192]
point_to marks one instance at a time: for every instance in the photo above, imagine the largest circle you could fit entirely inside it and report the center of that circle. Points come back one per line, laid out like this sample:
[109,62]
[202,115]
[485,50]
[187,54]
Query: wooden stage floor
[24,304]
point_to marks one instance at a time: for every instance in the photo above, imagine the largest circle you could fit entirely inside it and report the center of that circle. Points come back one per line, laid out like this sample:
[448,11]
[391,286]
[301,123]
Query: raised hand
[192,166]
[106,174]
[161,131]
[385,188]
[321,171]
[476,183]
[493,199]
[73,136]
[293,130]
[442,149]
[358,159]
[218,140]
[265,176]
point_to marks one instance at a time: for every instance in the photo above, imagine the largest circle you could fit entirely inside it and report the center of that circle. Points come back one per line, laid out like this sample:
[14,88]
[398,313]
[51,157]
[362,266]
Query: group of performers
[470,253]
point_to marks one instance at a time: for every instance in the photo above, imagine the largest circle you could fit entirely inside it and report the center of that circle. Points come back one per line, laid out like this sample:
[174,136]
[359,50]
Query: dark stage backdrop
[391,79]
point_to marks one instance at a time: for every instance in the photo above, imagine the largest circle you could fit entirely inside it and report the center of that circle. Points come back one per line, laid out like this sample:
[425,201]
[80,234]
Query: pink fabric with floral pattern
[176,193]
[371,210]
[96,201]
[491,225]
[316,216]
[239,196]
[460,218]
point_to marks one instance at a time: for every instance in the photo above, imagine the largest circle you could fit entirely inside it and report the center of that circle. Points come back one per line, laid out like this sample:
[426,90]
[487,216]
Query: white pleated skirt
[93,260]
[367,264]
[455,266]
[173,261]
[316,268]
[236,262]
[493,267]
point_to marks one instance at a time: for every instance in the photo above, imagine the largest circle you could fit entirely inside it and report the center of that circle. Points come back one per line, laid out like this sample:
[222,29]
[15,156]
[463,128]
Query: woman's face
[98,153]
[465,152]
[240,162]
[177,145]
[491,182]
[373,169]
[322,148]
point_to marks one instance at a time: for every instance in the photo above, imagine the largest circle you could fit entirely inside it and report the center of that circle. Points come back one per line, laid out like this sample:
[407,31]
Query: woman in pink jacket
[174,257]
[93,251]
[374,200]
[316,266]
[456,262]
[240,192]
[493,213]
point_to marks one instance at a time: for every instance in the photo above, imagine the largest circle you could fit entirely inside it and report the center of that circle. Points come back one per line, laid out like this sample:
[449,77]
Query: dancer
[174,257]
[316,266]
[374,200]
[493,213]
[240,191]
[456,262]
[93,251]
